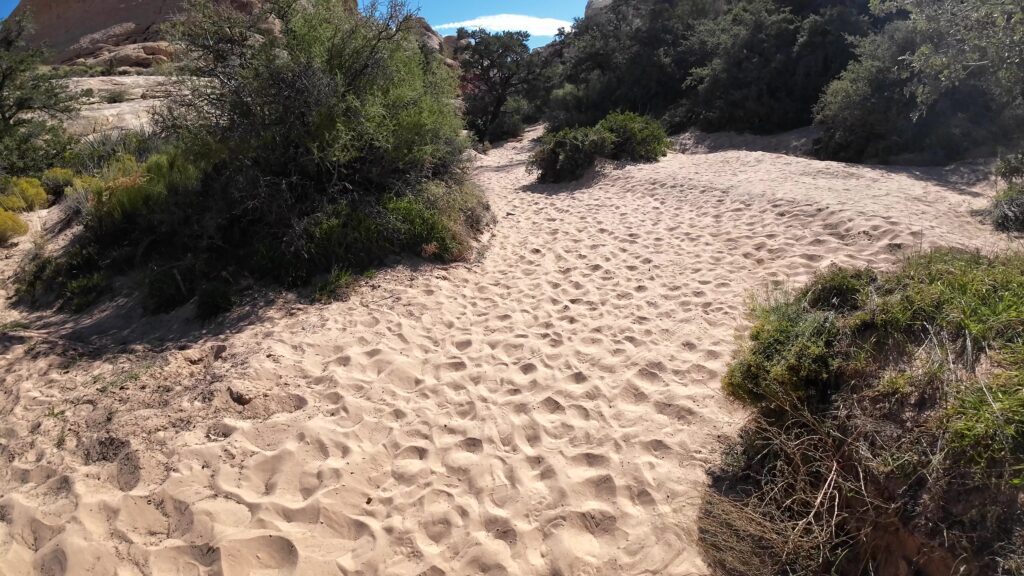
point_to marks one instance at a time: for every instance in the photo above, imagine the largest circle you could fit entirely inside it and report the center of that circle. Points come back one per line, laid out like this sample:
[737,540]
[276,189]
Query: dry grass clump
[889,434]
[11,226]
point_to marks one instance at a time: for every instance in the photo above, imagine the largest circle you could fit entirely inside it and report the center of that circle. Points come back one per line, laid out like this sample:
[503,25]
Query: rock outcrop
[111,33]
[595,6]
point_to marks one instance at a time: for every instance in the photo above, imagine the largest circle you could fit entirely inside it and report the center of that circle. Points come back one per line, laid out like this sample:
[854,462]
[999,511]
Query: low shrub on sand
[56,180]
[28,193]
[636,138]
[1008,206]
[11,226]
[567,154]
[889,428]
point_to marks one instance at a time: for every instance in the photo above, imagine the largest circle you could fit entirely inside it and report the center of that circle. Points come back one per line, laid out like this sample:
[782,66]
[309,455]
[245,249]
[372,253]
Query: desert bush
[635,137]
[90,155]
[29,191]
[888,410]
[11,226]
[935,84]
[12,203]
[494,73]
[288,153]
[31,101]
[56,181]
[566,155]
[115,96]
[1010,169]
[1008,209]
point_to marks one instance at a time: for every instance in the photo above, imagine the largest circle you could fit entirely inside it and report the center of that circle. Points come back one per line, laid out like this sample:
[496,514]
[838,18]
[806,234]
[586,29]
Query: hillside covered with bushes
[896,80]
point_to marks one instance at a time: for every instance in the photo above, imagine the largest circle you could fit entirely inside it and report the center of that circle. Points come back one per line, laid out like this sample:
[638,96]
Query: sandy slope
[549,409]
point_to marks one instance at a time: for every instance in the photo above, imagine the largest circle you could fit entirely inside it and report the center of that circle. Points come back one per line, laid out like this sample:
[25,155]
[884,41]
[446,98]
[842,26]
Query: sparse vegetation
[888,429]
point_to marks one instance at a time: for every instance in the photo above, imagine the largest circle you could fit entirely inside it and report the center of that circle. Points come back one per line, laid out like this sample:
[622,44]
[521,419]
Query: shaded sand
[549,409]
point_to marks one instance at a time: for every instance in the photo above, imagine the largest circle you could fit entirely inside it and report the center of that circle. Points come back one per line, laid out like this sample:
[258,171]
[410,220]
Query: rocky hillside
[111,33]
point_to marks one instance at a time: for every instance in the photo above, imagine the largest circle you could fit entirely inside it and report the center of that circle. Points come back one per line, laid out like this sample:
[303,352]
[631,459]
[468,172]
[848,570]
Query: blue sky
[540,17]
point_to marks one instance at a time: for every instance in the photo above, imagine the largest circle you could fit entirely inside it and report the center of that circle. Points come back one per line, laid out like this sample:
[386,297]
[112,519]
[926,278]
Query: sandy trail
[547,410]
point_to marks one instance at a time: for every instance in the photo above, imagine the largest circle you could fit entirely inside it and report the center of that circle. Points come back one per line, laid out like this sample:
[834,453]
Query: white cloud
[500,22]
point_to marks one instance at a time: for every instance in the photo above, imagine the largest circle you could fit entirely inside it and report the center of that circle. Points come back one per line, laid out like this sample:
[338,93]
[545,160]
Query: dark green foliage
[31,99]
[56,180]
[888,401]
[213,299]
[768,66]
[566,155]
[495,69]
[935,86]
[636,138]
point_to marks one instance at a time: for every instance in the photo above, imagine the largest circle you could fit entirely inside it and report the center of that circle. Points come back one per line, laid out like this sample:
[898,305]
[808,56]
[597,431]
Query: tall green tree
[495,69]
[32,101]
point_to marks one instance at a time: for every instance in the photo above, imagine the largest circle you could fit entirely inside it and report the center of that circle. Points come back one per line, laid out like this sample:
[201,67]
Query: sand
[547,409]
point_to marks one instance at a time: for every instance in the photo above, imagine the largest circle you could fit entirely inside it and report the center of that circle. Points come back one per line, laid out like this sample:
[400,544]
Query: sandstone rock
[140,95]
[86,30]
[143,55]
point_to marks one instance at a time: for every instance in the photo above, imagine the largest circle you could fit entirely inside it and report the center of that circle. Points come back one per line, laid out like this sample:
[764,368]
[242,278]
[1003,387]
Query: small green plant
[636,138]
[56,181]
[336,286]
[115,96]
[82,293]
[11,226]
[567,154]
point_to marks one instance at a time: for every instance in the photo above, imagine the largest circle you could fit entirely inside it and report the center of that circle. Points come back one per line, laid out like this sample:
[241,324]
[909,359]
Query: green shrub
[1008,209]
[83,292]
[33,100]
[1011,168]
[566,155]
[115,96]
[302,150]
[29,190]
[636,138]
[91,154]
[57,180]
[424,231]
[11,226]
[882,399]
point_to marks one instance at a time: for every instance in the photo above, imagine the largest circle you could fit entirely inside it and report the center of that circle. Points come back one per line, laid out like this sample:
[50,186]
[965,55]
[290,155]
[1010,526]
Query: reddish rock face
[74,29]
